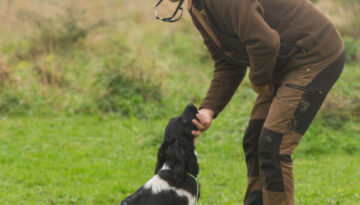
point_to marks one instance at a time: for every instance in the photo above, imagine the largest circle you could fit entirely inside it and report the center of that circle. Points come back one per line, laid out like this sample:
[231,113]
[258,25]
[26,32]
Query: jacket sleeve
[262,42]
[226,79]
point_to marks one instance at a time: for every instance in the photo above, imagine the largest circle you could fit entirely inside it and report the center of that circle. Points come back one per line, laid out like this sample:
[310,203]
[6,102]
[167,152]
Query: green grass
[97,160]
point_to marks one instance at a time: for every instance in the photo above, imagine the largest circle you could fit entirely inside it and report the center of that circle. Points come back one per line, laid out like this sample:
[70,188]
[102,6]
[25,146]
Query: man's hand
[205,117]
[268,89]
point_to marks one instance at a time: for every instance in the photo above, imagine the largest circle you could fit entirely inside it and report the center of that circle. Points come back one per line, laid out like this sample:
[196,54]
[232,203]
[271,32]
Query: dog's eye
[183,120]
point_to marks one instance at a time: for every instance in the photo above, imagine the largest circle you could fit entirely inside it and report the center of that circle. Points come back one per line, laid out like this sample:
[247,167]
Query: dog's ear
[179,154]
[161,157]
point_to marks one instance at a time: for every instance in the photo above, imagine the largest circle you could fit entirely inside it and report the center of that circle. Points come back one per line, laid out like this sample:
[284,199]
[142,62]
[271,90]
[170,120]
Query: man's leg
[294,107]
[251,144]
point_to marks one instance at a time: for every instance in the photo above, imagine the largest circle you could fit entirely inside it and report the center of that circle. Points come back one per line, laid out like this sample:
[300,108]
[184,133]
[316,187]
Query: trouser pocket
[304,88]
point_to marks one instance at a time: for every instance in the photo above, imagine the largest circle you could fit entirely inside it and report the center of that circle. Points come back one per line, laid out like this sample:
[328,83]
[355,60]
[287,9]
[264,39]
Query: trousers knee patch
[255,198]
[251,145]
[270,160]
[306,110]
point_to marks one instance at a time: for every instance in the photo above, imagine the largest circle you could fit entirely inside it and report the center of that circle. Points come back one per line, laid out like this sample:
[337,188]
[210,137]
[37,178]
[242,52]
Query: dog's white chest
[158,185]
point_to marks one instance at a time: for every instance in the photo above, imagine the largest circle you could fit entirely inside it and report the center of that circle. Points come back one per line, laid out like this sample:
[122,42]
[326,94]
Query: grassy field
[87,88]
[95,160]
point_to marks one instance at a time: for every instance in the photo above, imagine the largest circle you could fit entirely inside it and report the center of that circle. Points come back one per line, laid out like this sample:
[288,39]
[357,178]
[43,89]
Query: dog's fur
[177,158]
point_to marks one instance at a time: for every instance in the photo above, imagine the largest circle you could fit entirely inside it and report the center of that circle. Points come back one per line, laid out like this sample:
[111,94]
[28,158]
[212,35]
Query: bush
[352,47]
[339,109]
[125,89]
[11,100]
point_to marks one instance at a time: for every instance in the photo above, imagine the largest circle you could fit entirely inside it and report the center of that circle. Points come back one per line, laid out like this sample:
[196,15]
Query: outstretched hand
[205,117]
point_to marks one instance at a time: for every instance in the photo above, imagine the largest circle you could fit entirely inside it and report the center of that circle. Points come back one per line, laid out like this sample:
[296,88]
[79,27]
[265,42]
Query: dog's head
[181,126]
[178,149]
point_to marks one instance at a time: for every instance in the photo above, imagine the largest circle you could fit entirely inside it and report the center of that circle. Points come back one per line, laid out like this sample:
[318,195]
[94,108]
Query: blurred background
[111,56]
[87,86]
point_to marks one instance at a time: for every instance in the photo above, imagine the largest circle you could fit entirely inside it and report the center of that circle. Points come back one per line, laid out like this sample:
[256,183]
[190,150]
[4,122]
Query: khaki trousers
[276,126]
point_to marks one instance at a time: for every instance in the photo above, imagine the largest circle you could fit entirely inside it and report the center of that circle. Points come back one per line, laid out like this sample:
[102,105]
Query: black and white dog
[176,173]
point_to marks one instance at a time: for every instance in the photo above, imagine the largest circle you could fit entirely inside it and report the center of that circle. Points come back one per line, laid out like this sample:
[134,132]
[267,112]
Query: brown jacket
[271,36]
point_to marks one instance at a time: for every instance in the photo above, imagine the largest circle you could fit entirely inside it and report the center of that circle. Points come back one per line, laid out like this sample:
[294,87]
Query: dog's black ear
[161,157]
[179,154]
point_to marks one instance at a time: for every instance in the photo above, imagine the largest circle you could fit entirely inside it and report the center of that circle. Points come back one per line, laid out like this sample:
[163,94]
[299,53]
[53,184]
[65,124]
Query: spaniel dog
[176,173]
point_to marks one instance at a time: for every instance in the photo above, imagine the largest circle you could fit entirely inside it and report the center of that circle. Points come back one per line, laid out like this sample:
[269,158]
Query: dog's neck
[167,167]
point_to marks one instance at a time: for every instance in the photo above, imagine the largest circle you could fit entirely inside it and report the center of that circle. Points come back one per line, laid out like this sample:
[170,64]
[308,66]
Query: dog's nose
[189,112]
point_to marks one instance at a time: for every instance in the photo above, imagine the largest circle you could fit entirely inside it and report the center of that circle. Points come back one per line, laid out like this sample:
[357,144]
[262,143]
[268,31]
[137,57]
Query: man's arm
[225,81]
